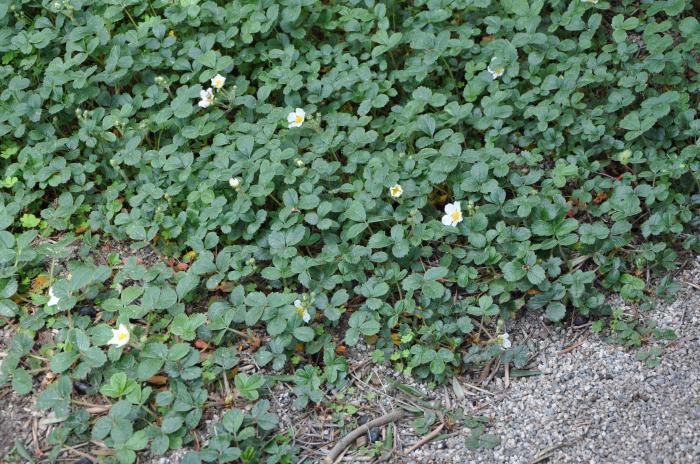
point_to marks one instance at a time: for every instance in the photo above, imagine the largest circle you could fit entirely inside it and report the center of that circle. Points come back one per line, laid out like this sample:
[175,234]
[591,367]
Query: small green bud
[624,156]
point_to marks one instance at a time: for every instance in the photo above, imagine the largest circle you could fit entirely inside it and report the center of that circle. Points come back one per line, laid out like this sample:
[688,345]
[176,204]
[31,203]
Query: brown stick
[75,450]
[571,348]
[507,375]
[391,416]
[425,439]
[35,436]
[546,453]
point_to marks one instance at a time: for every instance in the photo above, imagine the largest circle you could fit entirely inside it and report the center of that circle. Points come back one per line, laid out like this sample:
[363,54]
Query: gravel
[598,403]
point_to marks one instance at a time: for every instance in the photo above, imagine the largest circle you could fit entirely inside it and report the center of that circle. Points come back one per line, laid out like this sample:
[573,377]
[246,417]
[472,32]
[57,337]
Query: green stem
[449,70]
[131,18]
[563,256]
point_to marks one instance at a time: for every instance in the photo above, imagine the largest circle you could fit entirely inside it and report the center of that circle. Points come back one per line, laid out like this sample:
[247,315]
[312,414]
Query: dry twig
[478,388]
[571,348]
[75,450]
[35,436]
[391,416]
[426,439]
[546,453]
[506,374]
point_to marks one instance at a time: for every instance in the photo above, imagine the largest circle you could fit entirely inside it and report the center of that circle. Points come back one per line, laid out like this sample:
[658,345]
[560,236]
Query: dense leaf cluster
[567,131]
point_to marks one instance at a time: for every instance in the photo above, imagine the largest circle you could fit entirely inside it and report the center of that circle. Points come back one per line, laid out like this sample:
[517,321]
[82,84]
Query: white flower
[120,336]
[453,214]
[301,311]
[207,98]
[497,71]
[504,341]
[396,191]
[234,182]
[590,1]
[53,299]
[218,81]
[296,118]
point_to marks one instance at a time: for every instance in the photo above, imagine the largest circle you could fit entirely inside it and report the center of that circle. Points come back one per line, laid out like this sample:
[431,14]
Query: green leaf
[535,274]
[94,357]
[20,448]
[248,386]
[186,284]
[556,311]
[437,366]
[116,386]
[63,361]
[136,231]
[21,381]
[232,420]
[465,324]
[356,212]
[138,441]
[435,273]
[29,221]
[355,230]
[185,326]
[304,334]
[56,396]
[433,289]
[513,271]
[171,424]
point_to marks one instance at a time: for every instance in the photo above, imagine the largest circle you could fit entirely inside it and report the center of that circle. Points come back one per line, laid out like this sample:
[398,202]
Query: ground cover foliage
[303,195]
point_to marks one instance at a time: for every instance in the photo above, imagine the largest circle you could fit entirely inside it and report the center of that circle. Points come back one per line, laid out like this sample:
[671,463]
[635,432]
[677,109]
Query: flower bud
[624,156]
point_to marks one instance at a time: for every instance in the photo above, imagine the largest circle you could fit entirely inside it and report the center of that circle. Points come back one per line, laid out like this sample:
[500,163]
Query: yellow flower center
[395,191]
[298,119]
[300,311]
[121,337]
[456,216]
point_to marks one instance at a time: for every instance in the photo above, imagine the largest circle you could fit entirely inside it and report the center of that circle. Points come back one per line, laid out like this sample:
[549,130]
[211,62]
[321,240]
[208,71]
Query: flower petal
[53,299]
